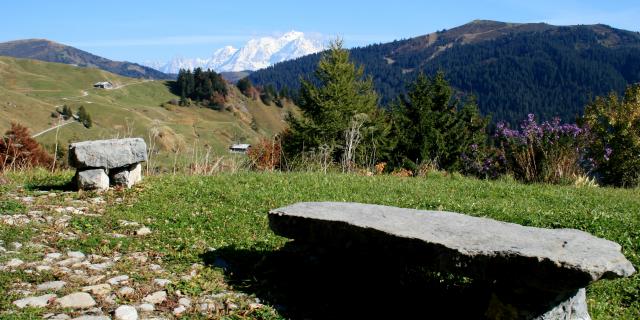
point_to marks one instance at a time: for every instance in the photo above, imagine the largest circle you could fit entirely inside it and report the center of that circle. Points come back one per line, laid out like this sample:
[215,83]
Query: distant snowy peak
[256,54]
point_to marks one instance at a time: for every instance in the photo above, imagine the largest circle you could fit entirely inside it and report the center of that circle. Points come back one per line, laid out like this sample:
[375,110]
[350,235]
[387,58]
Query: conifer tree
[328,108]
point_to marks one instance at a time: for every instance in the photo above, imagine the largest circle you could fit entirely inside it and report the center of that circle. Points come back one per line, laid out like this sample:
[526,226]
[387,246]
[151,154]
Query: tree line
[205,87]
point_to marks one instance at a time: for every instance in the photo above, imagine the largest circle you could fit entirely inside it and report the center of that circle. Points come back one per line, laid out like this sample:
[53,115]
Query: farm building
[239,148]
[103,85]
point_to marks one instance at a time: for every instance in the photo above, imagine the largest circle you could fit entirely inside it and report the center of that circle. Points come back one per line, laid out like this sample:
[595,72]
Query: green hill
[49,51]
[30,91]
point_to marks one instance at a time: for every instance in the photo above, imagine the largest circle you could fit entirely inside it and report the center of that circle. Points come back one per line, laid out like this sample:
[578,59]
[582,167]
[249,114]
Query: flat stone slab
[107,154]
[546,259]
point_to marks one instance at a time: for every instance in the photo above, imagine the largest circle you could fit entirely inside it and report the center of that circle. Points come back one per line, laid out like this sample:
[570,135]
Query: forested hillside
[512,69]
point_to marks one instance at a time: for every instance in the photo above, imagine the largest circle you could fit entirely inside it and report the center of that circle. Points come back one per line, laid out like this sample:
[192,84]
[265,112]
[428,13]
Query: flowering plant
[546,152]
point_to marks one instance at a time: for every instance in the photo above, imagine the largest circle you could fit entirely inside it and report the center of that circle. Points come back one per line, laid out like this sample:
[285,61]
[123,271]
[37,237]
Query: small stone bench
[101,163]
[535,273]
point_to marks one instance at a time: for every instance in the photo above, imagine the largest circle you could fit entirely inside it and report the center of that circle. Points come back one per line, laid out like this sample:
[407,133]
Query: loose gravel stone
[14,263]
[179,310]
[143,231]
[89,317]
[185,302]
[76,300]
[156,297]
[51,285]
[146,307]
[161,282]
[99,289]
[125,291]
[126,313]
[117,280]
[37,302]
[76,254]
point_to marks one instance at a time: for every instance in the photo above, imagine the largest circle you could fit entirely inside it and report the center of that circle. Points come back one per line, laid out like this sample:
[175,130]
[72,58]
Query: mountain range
[255,54]
[49,51]
[512,69]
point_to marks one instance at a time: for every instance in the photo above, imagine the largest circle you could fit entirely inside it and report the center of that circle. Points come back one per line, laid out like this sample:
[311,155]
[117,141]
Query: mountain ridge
[51,51]
[511,68]
[255,54]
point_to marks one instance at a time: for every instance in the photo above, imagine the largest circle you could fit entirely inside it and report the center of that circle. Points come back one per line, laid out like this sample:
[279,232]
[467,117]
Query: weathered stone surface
[92,179]
[107,154]
[156,297]
[37,302]
[478,247]
[98,289]
[51,285]
[127,176]
[76,300]
[126,313]
[534,273]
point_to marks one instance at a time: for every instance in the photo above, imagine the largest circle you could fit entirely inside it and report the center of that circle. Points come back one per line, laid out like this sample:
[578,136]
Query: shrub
[483,162]
[549,152]
[19,151]
[265,155]
[615,130]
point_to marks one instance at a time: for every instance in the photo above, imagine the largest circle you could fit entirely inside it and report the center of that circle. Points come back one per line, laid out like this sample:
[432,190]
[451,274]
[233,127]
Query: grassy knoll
[30,90]
[192,215]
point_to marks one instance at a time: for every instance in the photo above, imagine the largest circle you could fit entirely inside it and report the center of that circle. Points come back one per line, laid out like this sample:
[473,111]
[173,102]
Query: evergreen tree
[84,117]
[328,107]
[429,127]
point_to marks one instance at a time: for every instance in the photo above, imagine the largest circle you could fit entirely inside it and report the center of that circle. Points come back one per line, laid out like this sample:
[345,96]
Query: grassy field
[220,222]
[31,90]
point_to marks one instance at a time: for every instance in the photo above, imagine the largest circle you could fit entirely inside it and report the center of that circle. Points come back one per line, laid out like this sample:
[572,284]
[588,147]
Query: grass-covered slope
[192,215]
[31,90]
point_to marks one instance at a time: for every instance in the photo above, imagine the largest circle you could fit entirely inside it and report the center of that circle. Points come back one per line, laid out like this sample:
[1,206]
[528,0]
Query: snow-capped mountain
[256,54]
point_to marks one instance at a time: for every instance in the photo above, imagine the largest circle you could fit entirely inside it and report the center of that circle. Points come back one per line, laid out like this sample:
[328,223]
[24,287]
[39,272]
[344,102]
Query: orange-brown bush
[265,155]
[19,151]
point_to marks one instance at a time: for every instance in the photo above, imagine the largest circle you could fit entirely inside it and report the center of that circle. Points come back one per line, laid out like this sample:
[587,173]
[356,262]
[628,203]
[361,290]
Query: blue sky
[158,30]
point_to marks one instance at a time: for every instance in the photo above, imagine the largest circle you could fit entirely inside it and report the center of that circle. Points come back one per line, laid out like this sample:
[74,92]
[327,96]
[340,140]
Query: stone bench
[535,273]
[101,163]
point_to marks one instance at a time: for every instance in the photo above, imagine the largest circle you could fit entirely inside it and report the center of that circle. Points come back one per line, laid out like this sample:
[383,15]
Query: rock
[16,246]
[91,317]
[179,310]
[185,302]
[161,282]
[92,179]
[108,154]
[98,290]
[125,291]
[51,285]
[101,266]
[53,256]
[146,307]
[143,231]
[43,268]
[126,313]
[59,316]
[36,302]
[127,176]
[116,280]
[14,263]
[76,254]
[546,267]
[156,297]
[76,300]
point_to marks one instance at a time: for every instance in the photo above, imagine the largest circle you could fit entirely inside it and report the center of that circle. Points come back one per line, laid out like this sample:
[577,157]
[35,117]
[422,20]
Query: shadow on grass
[302,282]
[51,185]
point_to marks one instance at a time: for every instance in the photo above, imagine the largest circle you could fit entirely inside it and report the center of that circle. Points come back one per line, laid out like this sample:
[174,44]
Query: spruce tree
[329,104]
[430,126]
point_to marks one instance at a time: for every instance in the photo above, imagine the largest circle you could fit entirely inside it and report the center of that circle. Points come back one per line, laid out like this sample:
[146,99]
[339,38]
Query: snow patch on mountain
[256,54]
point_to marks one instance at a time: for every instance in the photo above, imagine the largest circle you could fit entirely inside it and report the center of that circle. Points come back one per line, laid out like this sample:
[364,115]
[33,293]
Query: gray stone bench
[101,163]
[536,273]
